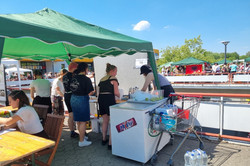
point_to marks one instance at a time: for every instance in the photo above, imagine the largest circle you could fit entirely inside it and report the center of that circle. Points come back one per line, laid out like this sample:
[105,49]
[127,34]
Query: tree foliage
[245,56]
[193,48]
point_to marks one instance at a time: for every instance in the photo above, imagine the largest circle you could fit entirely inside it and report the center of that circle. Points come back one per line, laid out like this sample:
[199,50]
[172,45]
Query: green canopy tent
[165,64]
[49,35]
[247,59]
[189,61]
[223,61]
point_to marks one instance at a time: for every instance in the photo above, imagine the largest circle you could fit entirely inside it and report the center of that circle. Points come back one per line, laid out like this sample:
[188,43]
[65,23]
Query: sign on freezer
[126,125]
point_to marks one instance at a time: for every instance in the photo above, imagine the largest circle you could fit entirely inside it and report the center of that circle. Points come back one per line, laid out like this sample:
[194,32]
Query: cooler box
[129,130]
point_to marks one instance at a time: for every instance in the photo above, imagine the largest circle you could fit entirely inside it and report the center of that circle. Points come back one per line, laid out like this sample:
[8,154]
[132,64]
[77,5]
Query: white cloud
[166,27]
[142,25]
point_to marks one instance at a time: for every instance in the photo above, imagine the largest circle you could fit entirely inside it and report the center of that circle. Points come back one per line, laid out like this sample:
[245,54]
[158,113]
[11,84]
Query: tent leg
[1,47]
[153,65]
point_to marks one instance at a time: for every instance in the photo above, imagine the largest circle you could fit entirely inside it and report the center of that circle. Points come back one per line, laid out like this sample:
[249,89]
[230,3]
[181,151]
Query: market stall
[66,38]
[192,65]
[11,70]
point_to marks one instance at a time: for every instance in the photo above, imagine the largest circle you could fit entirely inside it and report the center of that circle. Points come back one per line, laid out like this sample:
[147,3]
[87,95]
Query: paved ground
[220,153]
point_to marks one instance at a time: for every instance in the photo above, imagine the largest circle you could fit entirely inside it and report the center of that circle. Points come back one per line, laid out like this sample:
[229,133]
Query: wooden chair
[42,111]
[53,127]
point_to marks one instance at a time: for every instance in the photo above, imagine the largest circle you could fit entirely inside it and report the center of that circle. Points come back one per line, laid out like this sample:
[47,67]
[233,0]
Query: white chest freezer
[129,123]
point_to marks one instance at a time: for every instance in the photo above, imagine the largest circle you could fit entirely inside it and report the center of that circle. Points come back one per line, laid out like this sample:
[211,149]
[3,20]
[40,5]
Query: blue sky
[163,22]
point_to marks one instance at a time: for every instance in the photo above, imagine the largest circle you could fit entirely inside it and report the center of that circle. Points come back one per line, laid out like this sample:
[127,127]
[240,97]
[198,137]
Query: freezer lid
[133,106]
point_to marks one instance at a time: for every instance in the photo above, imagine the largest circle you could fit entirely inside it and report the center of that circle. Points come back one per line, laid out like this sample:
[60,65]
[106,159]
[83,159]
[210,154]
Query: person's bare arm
[58,90]
[10,121]
[116,90]
[32,93]
[149,78]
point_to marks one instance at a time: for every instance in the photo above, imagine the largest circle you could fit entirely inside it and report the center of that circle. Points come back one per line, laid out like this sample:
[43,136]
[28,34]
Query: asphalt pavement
[220,153]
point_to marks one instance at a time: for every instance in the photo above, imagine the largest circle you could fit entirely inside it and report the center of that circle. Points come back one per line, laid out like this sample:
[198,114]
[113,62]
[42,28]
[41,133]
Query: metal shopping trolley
[175,118]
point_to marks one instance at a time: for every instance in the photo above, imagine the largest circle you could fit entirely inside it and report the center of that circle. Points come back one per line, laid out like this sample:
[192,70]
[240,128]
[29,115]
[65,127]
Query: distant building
[156,53]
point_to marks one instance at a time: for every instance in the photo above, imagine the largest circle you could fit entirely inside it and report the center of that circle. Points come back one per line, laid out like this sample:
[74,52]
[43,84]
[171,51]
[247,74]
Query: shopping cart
[181,119]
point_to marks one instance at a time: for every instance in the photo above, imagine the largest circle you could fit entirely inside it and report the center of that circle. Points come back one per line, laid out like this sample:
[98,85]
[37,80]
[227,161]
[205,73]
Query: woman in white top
[26,118]
[57,94]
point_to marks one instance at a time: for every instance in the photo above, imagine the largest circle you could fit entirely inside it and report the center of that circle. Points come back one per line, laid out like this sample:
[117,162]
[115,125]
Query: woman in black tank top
[108,89]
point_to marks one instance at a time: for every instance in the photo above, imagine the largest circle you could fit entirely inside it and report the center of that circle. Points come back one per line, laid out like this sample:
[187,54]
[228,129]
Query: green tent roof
[189,61]
[247,59]
[223,61]
[49,35]
[165,64]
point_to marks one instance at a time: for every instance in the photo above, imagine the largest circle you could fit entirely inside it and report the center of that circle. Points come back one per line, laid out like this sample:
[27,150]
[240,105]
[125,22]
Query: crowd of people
[75,88]
[229,68]
[215,68]
[14,76]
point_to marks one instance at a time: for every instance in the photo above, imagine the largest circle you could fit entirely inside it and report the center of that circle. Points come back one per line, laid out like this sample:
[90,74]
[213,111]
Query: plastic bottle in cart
[156,122]
[172,110]
[187,158]
[204,158]
[175,109]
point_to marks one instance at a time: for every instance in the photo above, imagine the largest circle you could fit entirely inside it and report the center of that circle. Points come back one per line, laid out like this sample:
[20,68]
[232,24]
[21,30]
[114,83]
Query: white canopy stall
[15,70]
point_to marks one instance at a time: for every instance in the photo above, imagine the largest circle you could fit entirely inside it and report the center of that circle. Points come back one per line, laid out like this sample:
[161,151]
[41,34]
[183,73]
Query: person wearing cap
[67,96]
[149,77]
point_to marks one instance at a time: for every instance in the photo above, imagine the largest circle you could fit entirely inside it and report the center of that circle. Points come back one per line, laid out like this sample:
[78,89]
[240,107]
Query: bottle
[187,158]
[204,158]
[197,155]
[192,159]
[156,122]
[198,159]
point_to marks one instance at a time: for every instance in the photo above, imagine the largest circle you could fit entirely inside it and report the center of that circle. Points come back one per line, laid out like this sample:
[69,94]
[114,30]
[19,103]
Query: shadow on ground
[220,153]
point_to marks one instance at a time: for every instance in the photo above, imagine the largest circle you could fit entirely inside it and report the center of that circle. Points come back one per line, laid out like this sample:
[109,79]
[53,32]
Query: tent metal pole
[19,76]
[151,58]
[1,47]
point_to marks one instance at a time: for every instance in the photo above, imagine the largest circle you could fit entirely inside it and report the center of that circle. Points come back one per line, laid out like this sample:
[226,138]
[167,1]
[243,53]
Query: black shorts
[167,90]
[104,101]
[43,101]
[67,97]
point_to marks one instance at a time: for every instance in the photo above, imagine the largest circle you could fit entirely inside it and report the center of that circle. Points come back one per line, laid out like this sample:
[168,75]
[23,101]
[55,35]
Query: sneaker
[74,135]
[86,138]
[84,143]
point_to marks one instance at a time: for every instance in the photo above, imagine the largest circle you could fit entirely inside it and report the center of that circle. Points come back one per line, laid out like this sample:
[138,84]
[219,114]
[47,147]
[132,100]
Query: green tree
[245,56]
[191,48]
[248,54]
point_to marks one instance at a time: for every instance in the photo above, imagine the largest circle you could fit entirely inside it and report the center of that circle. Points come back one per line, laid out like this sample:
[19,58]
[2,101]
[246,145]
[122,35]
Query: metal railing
[233,116]
[218,78]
